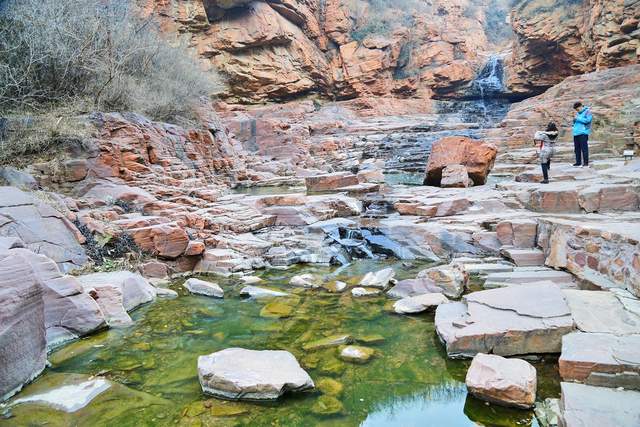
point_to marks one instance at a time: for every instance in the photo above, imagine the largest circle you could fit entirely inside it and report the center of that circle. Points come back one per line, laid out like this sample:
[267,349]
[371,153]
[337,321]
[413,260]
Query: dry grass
[94,55]
[23,139]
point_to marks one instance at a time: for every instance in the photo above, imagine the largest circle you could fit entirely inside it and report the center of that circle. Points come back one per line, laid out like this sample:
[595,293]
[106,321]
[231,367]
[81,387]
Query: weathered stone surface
[330,181]
[69,311]
[449,278]
[42,229]
[602,312]
[508,321]
[23,351]
[601,359]
[418,304]
[478,158]
[136,290]
[240,374]
[507,382]
[202,287]
[585,405]
[525,275]
[164,240]
[524,257]
[109,298]
[455,176]
[414,287]
[603,254]
[520,233]
[330,341]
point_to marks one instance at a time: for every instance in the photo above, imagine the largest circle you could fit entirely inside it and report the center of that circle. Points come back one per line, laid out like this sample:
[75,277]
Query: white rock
[363,292]
[419,303]
[258,292]
[201,287]
[69,398]
[304,281]
[241,374]
[379,279]
[250,280]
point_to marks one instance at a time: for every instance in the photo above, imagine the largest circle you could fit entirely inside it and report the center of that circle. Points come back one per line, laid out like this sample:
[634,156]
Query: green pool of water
[409,382]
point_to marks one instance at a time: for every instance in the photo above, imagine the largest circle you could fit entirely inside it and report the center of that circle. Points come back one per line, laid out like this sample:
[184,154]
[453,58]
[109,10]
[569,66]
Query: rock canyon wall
[278,50]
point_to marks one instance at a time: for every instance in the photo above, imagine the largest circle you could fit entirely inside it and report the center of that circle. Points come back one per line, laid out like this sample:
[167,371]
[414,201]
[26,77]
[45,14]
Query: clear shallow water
[409,382]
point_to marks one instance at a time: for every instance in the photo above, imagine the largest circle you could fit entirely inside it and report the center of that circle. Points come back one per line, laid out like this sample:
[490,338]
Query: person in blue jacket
[581,131]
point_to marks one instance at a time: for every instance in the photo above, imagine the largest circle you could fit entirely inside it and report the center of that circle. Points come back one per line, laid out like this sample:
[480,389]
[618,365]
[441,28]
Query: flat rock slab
[507,321]
[418,304]
[241,374]
[202,287]
[522,276]
[330,181]
[602,311]
[507,382]
[584,405]
[601,359]
[69,398]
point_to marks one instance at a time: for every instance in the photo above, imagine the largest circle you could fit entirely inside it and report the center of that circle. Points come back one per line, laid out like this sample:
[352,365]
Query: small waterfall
[489,84]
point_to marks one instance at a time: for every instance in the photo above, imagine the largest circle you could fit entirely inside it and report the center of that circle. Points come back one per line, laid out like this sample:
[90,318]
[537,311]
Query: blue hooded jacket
[582,122]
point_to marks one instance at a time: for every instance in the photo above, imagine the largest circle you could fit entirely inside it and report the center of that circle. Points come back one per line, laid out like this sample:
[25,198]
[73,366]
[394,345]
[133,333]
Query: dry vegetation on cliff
[93,55]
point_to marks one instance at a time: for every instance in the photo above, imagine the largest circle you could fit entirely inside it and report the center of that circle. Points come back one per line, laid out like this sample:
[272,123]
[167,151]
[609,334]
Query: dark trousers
[545,170]
[581,147]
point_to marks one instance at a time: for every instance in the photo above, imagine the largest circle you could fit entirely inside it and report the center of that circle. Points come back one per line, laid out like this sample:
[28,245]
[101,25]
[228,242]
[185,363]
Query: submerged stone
[327,405]
[68,398]
[241,374]
[330,386]
[259,292]
[356,354]
[365,292]
[331,341]
[276,309]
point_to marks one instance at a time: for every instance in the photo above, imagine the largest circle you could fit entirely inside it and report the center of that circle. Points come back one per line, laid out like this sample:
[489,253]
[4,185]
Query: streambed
[409,382]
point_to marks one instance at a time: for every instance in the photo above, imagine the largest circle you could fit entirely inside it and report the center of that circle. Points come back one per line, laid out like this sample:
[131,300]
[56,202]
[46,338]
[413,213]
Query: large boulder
[477,156]
[23,350]
[41,228]
[450,279]
[69,312]
[241,374]
[507,382]
[135,289]
[521,319]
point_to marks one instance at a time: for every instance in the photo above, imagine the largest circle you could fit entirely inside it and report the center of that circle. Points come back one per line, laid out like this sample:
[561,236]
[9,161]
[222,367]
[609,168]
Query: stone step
[484,270]
[601,359]
[585,405]
[527,275]
[523,257]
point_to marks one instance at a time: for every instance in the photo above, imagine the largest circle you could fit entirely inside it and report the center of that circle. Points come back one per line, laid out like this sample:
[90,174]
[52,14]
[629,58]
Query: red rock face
[279,49]
[611,94]
[559,39]
[477,156]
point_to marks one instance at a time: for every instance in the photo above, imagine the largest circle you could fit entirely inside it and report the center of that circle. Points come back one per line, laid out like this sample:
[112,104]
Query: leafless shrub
[95,53]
